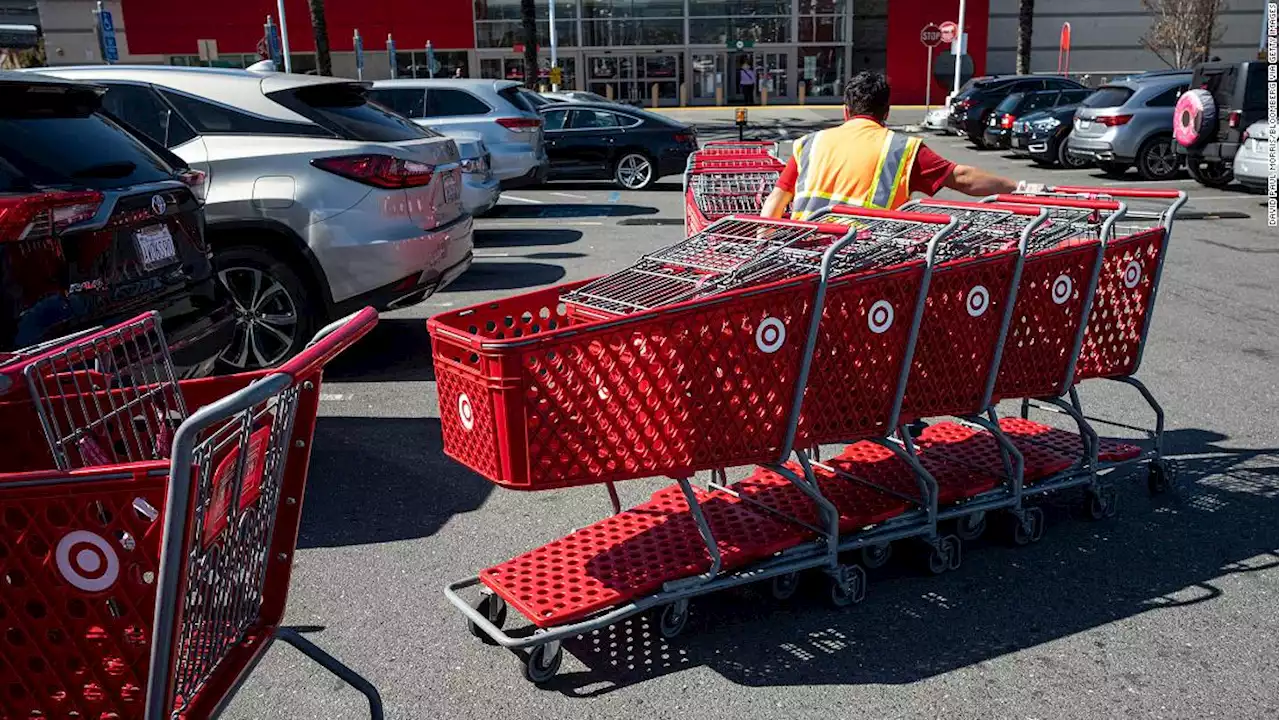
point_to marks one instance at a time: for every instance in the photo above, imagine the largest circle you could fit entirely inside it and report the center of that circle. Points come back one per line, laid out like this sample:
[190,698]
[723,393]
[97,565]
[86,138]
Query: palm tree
[320,29]
[528,19]
[1026,12]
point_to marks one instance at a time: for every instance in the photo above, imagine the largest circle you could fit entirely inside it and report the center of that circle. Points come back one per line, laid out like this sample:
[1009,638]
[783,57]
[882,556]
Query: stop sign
[948,30]
[931,35]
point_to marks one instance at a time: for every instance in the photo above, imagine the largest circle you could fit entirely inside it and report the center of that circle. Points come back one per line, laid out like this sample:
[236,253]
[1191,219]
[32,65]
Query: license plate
[1083,124]
[992,121]
[451,187]
[155,246]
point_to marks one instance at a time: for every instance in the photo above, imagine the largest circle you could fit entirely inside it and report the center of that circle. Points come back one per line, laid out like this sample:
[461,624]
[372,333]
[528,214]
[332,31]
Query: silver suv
[1130,122]
[498,110]
[317,201]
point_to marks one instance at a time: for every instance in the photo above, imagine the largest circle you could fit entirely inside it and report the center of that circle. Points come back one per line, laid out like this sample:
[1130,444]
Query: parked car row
[315,201]
[1126,123]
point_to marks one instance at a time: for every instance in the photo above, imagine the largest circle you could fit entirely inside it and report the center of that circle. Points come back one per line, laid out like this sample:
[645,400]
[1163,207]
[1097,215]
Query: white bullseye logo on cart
[87,561]
[1061,289]
[465,413]
[771,335]
[880,319]
[1132,274]
[977,301]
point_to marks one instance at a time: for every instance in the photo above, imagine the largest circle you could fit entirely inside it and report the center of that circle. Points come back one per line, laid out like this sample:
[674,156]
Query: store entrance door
[772,74]
[631,78]
[707,72]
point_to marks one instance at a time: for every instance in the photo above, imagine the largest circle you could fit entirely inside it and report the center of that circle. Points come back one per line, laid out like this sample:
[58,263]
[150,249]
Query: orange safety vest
[859,163]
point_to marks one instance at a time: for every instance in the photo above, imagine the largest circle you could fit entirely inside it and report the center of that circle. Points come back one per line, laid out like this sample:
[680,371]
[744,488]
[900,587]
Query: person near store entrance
[865,164]
[747,82]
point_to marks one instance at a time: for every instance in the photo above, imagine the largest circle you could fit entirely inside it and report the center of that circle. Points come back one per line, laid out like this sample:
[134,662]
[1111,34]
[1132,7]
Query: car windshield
[57,137]
[1108,96]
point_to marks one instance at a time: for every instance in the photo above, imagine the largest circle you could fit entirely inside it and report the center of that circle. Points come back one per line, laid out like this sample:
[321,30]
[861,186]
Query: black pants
[748,94]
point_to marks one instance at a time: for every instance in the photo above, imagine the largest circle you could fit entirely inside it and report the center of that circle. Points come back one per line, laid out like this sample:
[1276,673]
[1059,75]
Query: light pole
[284,37]
[955,86]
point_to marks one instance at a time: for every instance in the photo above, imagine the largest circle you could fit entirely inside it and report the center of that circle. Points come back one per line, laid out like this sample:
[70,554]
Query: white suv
[317,201]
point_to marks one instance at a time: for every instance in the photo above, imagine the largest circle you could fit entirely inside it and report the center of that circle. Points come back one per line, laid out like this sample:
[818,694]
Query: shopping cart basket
[728,185]
[146,568]
[736,148]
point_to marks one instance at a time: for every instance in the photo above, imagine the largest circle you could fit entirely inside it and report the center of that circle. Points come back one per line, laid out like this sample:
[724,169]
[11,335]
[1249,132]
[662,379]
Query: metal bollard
[653,91]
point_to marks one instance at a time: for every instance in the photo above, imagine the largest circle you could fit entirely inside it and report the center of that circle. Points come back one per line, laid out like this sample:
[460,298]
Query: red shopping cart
[726,185]
[146,551]
[737,148]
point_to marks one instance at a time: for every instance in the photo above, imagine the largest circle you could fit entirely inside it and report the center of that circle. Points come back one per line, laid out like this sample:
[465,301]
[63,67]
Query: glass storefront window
[822,7]
[610,9]
[822,71]
[718,31]
[509,33]
[510,9]
[821,29]
[413,63]
[742,7]
[614,33]
[513,69]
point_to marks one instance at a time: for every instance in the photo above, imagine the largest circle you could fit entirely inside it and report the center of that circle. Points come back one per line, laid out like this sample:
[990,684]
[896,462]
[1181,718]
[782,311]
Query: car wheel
[1068,161]
[1214,175]
[274,312]
[634,171]
[1113,169]
[1157,160]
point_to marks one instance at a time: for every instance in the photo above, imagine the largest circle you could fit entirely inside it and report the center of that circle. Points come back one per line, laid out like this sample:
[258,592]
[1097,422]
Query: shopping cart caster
[1160,476]
[673,618]
[971,526]
[543,662]
[875,556]
[1029,528]
[944,555]
[1101,503]
[494,609]
[782,587]
[848,586]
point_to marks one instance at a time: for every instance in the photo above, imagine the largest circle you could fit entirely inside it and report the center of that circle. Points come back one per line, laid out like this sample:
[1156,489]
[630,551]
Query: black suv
[971,109]
[1239,92]
[96,226]
[999,131]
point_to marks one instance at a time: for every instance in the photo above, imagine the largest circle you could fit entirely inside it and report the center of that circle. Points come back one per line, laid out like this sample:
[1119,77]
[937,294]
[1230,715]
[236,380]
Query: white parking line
[517,198]
[332,397]
[491,255]
[570,195]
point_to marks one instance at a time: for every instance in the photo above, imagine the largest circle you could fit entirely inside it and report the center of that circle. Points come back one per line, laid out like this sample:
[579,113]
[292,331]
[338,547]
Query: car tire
[634,170]
[1066,160]
[1213,175]
[275,312]
[1113,169]
[1157,159]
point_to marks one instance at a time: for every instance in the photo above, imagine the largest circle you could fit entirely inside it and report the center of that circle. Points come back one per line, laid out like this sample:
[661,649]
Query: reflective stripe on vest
[889,179]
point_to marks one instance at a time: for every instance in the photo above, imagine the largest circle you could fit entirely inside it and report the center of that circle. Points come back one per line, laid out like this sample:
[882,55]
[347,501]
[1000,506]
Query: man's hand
[776,203]
[978,183]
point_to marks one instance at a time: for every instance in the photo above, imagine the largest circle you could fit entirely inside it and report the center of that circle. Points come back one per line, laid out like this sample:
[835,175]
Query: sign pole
[284,37]
[955,87]
[928,79]
[358,44]
[551,5]
[391,56]
[431,60]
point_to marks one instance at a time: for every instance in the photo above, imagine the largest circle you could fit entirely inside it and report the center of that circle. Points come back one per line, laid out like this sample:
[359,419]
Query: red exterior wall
[156,27]
[906,58]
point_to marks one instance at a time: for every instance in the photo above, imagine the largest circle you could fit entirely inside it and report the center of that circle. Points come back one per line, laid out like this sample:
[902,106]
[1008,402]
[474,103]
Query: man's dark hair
[867,93]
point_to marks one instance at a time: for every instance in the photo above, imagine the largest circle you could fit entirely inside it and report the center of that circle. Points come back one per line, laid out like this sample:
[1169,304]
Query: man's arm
[776,203]
[979,183]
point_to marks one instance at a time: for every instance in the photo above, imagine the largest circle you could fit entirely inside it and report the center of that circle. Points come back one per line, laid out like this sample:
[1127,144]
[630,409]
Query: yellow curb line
[704,108]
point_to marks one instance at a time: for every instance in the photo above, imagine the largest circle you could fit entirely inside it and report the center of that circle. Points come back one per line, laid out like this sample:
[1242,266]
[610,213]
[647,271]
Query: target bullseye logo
[87,561]
[1132,274]
[880,319]
[770,335]
[977,301]
[465,413]
[1062,287]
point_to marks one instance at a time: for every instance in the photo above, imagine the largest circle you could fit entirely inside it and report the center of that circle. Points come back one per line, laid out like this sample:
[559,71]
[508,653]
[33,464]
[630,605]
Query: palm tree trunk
[1026,14]
[320,29]
[529,25]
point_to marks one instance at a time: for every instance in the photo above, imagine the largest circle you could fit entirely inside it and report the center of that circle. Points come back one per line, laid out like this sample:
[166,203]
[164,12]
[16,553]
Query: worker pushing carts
[754,342]
[148,525]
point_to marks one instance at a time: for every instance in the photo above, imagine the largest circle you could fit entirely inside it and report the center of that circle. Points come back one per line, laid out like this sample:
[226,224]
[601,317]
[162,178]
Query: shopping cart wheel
[1028,529]
[494,609]
[944,555]
[1159,477]
[875,556]
[1101,502]
[543,662]
[848,586]
[673,618]
[971,526]
[782,587]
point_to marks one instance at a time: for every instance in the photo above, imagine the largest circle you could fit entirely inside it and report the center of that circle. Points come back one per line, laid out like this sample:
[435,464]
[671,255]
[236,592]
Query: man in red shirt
[865,164]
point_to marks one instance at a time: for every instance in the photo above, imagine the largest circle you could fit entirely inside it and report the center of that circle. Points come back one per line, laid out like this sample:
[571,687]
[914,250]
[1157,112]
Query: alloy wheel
[266,318]
[634,171]
[1162,161]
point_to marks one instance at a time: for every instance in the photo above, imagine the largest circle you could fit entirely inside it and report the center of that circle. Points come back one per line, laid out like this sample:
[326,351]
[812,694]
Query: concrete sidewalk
[781,123]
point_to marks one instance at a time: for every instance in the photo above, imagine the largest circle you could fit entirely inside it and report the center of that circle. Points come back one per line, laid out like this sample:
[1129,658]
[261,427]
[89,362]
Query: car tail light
[1233,120]
[42,215]
[1112,120]
[520,124]
[1244,137]
[966,104]
[382,171]
[1006,121]
[194,179]
[684,137]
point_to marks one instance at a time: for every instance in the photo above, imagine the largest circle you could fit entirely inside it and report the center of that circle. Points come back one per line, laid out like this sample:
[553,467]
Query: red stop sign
[931,35]
[948,30]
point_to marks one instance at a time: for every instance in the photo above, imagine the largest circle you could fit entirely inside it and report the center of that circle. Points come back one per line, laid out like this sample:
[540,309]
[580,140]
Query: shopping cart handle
[1117,192]
[1015,208]
[329,342]
[1059,202]
[890,214]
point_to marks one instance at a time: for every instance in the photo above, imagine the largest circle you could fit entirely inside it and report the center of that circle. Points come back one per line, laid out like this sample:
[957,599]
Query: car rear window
[514,96]
[56,137]
[344,109]
[1255,89]
[1108,96]
[1010,103]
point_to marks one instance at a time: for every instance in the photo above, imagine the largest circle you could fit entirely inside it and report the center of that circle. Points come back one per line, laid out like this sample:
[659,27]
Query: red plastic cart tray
[1023,432]
[876,463]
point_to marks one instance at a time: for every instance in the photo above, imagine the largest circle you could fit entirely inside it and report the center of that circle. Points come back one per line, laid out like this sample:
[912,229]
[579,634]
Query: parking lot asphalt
[1167,610]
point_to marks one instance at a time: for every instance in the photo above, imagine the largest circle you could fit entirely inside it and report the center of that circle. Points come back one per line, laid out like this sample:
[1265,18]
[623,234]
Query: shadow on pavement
[1156,554]
[396,350]
[385,479]
[521,237]
[506,276]
[607,186]
[566,210]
